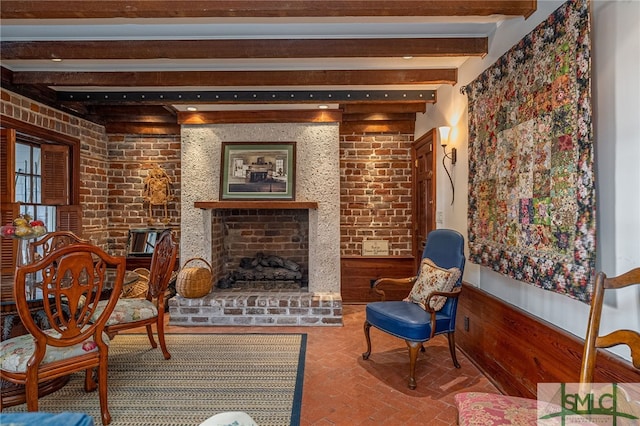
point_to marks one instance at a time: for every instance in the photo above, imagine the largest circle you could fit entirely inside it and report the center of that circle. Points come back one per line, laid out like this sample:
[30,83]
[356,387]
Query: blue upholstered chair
[410,321]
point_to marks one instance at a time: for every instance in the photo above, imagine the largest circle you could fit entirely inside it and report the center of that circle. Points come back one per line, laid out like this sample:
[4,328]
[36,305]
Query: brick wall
[375,192]
[375,179]
[217,244]
[93,156]
[130,159]
[112,171]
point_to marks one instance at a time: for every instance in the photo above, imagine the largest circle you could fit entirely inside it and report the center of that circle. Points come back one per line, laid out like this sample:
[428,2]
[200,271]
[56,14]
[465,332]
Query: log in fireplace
[265,272]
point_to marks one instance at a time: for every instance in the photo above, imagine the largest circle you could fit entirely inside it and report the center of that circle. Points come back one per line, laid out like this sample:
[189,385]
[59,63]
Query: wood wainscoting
[357,272]
[516,350]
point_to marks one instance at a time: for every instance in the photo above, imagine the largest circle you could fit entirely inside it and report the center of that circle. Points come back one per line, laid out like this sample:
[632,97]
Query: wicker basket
[194,282]
[137,289]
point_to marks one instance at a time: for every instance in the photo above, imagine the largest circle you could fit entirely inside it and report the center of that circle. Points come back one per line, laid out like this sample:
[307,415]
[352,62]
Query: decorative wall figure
[157,191]
[531,177]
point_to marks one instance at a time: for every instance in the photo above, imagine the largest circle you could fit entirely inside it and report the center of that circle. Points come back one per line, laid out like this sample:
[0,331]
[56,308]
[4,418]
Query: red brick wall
[130,159]
[375,192]
[93,157]
[217,244]
[112,171]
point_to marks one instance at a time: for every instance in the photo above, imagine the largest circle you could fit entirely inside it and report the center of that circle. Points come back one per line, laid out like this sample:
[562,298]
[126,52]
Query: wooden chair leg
[152,340]
[452,349]
[163,344]
[90,380]
[102,391]
[367,328]
[31,393]
[414,348]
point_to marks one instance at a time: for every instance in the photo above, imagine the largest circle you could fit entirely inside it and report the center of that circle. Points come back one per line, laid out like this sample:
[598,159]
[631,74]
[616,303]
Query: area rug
[260,374]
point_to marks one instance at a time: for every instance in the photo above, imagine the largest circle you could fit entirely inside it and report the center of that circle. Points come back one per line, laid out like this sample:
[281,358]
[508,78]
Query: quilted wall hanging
[531,179]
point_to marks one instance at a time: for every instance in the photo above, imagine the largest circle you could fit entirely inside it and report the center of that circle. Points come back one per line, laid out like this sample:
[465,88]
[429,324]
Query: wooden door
[424,191]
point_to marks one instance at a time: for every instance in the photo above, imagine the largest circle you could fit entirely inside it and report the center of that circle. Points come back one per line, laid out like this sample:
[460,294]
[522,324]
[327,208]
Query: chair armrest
[393,282]
[427,305]
[449,294]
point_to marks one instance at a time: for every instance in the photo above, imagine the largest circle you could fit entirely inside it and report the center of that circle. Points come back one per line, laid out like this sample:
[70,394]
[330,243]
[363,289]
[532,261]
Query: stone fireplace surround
[317,189]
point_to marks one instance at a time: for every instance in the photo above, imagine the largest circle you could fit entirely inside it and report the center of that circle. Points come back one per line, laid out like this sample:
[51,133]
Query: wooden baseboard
[516,350]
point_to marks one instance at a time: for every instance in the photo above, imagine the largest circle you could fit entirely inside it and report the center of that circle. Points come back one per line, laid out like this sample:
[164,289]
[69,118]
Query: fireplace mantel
[266,204]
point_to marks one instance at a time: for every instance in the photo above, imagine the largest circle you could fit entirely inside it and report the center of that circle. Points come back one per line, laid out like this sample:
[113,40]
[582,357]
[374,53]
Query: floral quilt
[531,172]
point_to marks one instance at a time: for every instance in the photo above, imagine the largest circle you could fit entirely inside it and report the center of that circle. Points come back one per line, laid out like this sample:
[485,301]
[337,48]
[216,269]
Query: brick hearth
[244,308]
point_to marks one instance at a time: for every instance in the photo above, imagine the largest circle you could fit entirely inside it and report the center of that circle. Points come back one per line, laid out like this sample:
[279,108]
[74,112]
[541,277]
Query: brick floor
[340,388]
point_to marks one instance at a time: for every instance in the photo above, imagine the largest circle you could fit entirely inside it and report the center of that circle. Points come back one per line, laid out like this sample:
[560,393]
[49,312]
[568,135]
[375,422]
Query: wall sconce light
[443,132]
[444,141]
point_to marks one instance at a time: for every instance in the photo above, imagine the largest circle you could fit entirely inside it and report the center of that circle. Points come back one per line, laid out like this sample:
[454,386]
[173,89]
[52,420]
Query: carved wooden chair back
[73,279]
[133,313]
[594,340]
[162,264]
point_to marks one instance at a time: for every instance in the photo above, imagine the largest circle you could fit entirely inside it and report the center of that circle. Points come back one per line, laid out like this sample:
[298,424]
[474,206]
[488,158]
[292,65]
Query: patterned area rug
[260,374]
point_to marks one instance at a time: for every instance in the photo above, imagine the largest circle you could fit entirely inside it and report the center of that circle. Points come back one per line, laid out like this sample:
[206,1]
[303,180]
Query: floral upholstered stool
[489,409]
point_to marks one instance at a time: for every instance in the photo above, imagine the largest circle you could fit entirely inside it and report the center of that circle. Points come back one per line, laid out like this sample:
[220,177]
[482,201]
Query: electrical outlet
[439,217]
[466,323]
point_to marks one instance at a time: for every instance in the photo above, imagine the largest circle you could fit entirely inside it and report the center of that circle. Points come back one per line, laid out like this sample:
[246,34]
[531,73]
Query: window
[39,175]
[28,185]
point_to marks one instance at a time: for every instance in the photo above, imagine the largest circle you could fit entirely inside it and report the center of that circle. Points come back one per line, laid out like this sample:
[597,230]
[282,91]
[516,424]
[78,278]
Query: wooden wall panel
[516,350]
[357,273]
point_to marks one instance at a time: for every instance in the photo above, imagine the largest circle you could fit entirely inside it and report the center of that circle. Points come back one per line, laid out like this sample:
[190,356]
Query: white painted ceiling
[245,28]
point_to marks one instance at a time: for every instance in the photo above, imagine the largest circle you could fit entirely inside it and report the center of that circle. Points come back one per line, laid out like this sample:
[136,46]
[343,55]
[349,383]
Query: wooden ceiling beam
[260,116]
[77,9]
[239,78]
[379,116]
[387,107]
[142,128]
[156,119]
[356,127]
[131,110]
[245,49]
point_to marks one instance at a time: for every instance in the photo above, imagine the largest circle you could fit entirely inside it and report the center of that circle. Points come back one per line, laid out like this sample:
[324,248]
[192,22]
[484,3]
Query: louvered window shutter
[55,174]
[8,246]
[69,218]
[7,165]
[8,208]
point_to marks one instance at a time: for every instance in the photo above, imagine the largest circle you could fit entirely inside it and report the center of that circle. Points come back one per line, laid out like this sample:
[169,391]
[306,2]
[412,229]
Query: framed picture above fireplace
[258,171]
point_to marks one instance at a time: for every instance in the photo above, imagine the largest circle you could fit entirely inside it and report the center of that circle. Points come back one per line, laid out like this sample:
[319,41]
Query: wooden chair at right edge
[496,409]
[133,313]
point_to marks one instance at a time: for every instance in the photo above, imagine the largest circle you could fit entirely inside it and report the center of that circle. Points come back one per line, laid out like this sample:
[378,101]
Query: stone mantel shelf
[262,204]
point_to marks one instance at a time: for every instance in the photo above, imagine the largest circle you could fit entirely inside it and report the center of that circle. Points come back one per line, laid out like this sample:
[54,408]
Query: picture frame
[258,171]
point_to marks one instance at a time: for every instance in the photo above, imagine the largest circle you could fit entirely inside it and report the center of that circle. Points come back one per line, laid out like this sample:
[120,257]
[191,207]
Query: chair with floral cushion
[73,279]
[431,307]
[489,409]
[133,313]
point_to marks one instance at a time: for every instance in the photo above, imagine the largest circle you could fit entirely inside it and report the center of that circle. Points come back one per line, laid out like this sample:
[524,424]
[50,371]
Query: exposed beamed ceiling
[131,64]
